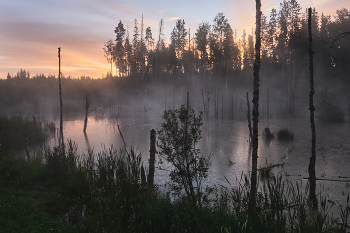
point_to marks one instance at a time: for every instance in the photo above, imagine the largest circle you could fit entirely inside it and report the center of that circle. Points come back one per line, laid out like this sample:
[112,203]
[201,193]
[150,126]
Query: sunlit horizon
[32,32]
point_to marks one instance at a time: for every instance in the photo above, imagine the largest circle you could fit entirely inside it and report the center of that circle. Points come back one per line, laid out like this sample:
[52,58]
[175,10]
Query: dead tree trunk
[268,107]
[312,172]
[349,109]
[253,187]
[248,117]
[152,157]
[61,105]
[86,106]
[27,148]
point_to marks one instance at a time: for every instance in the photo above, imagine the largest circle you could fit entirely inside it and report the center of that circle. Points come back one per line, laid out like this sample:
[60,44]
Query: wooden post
[60,90]
[143,176]
[150,178]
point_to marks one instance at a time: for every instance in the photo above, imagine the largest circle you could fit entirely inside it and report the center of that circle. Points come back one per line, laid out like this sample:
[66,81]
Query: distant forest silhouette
[215,50]
[212,61]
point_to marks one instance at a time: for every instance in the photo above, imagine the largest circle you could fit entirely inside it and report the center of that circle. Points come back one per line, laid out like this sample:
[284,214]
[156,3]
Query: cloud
[173,18]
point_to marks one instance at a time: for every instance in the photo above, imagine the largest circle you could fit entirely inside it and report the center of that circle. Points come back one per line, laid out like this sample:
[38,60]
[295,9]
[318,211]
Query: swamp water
[228,139]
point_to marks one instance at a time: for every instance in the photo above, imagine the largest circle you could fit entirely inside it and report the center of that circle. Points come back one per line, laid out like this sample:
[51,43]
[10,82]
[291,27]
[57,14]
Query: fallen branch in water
[306,178]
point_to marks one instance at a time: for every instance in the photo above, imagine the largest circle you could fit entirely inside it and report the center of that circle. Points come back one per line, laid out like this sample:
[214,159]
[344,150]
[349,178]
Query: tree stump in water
[268,134]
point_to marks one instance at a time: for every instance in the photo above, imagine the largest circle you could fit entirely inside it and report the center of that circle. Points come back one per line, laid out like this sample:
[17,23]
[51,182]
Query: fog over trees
[211,61]
[216,50]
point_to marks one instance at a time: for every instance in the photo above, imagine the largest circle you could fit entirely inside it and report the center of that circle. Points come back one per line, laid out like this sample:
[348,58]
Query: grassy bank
[103,193]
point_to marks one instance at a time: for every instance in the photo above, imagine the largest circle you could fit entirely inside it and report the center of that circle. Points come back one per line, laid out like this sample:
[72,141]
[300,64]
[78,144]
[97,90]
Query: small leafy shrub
[285,135]
[177,144]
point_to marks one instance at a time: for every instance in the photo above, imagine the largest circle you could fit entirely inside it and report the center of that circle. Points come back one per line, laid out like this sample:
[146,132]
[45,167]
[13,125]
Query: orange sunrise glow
[31,34]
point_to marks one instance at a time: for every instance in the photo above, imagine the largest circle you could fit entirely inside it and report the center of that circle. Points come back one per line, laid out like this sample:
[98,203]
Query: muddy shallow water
[229,141]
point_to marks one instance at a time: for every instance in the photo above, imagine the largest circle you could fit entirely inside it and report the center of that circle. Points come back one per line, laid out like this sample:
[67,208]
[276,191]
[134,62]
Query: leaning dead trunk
[248,118]
[86,106]
[253,188]
[312,172]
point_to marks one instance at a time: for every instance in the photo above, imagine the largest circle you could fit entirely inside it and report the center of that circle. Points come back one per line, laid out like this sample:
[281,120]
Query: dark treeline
[211,62]
[214,53]
[215,50]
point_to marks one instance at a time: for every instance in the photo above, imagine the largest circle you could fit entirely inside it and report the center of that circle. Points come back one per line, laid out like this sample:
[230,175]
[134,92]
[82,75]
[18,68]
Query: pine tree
[178,41]
[202,41]
[119,49]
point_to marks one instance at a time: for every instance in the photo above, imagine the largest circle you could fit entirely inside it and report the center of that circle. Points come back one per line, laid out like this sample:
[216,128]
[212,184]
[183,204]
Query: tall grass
[103,193]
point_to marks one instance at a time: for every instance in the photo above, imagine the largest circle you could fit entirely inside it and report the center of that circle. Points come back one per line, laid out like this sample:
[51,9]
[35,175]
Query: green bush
[285,135]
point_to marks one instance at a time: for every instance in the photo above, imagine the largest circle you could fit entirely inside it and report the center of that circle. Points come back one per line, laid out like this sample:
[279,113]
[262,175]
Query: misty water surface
[228,140]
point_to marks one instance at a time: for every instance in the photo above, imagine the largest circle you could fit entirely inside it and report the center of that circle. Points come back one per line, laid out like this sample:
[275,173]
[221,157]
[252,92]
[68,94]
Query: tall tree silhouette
[178,41]
[108,52]
[159,43]
[119,48]
[219,26]
[202,41]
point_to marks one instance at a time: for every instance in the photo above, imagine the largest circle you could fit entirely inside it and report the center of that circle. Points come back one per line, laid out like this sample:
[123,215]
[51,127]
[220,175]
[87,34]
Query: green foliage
[326,107]
[14,129]
[116,197]
[183,216]
[285,135]
[18,214]
[177,144]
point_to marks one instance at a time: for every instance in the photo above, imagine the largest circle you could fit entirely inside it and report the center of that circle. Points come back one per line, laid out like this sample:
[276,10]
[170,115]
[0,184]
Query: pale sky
[32,30]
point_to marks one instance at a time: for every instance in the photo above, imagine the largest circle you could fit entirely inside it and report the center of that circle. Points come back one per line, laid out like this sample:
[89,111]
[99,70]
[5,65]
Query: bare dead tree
[253,183]
[312,172]
[60,90]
